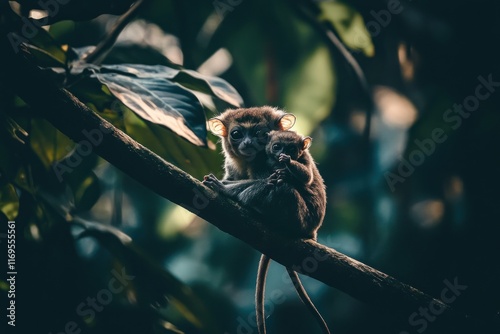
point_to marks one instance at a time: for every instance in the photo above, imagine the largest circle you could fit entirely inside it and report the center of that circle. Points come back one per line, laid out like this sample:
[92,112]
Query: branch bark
[337,270]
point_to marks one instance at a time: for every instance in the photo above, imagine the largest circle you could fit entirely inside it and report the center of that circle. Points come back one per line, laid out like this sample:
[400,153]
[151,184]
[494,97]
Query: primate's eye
[236,134]
[276,147]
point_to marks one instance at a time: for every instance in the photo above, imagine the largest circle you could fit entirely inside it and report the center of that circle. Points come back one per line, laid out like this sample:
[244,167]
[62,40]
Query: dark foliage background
[421,224]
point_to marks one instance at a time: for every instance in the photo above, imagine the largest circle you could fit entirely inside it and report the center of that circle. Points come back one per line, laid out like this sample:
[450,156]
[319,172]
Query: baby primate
[295,184]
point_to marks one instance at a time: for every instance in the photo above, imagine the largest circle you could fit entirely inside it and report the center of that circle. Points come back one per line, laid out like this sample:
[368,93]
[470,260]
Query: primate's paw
[278,177]
[284,158]
[272,180]
[213,183]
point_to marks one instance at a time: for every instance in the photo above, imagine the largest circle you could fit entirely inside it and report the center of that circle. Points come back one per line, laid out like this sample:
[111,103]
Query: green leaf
[161,102]
[51,48]
[309,89]
[282,61]
[209,85]
[193,80]
[44,58]
[49,144]
[349,24]
[86,189]
[161,94]
[197,161]
[12,140]
[9,201]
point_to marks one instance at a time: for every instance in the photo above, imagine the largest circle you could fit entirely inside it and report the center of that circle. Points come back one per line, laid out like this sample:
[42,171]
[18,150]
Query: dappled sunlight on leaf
[49,144]
[309,90]
[174,221]
[296,74]
[160,102]
[9,201]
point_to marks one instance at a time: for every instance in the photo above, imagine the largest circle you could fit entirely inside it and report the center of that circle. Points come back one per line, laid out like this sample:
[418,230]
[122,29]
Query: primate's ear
[217,127]
[306,142]
[286,121]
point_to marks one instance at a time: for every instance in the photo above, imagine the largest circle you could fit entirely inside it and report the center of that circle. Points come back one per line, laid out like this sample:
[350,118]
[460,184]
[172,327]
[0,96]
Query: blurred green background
[420,210]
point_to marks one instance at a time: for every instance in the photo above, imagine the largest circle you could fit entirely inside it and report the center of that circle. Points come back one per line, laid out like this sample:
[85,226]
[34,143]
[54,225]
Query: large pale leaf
[163,95]
[195,160]
[283,62]
[159,101]
[49,50]
[188,78]
[209,85]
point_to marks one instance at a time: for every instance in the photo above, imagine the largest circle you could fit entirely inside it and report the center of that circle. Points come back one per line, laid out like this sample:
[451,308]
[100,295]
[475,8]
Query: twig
[102,49]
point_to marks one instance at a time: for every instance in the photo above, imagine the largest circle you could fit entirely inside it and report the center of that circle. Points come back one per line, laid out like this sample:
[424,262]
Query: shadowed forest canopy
[103,139]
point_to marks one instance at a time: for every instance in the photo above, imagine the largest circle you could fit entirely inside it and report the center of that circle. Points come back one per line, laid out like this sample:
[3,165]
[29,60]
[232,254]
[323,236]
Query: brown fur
[246,162]
[294,198]
[298,187]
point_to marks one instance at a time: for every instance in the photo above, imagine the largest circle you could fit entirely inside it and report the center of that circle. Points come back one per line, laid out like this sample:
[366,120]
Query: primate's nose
[246,142]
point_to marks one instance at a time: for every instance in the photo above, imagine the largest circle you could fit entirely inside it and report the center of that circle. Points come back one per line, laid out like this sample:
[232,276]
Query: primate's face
[245,131]
[247,139]
[290,149]
[285,142]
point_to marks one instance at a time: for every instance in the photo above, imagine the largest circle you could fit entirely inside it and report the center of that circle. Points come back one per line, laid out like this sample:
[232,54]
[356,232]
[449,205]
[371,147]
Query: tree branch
[72,117]
[102,49]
